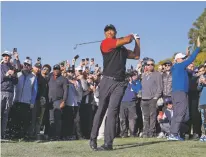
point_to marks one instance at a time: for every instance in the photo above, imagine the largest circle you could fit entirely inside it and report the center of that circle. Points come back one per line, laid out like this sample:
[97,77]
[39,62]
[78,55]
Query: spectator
[24,100]
[180,89]
[128,106]
[8,80]
[57,99]
[36,70]
[202,102]
[151,91]
[193,98]
[165,119]
[167,81]
[42,95]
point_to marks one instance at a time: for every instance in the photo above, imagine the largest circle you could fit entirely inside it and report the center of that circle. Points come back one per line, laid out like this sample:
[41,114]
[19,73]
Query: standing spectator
[180,87]
[57,99]
[167,81]
[42,95]
[151,91]
[24,100]
[193,100]
[8,80]
[128,107]
[202,103]
[112,85]
[36,70]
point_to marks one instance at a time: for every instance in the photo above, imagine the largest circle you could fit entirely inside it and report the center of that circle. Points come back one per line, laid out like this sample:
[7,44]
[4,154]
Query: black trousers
[111,93]
[71,122]
[195,117]
[86,115]
[19,120]
[127,115]
[149,112]
[139,126]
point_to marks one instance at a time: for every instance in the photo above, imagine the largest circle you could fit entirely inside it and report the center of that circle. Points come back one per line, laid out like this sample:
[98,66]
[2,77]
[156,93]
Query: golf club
[75,47]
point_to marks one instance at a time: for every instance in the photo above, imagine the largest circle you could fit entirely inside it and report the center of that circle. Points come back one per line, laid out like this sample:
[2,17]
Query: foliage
[198,29]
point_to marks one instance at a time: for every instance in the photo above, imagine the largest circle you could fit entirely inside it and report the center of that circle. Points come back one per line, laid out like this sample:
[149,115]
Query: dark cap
[133,73]
[56,67]
[167,62]
[168,100]
[110,26]
[38,65]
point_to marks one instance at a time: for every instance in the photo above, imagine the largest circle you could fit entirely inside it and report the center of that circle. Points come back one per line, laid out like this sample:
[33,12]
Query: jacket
[180,80]
[26,89]
[7,82]
[167,84]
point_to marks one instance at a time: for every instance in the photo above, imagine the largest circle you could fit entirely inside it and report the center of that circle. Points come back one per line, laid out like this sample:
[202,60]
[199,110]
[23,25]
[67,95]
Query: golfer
[113,84]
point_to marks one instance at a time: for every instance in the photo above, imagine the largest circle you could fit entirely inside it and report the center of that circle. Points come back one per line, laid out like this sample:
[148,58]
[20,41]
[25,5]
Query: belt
[115,79]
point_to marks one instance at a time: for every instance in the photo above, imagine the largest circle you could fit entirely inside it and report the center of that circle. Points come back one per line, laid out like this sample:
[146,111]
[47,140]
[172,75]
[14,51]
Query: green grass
[130,147]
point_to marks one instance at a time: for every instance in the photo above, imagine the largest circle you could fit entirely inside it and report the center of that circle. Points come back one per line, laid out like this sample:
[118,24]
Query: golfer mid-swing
[113,84]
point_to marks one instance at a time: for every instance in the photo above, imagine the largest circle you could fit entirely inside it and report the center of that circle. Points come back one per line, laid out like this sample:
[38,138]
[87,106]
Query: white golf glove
[136,36]
[31,106]
[42,101]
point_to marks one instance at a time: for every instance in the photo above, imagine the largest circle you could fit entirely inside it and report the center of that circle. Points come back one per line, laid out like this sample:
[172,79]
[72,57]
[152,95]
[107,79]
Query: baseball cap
[168,100]
[110,26]
[79,68]
[38,65]
[56,67]
[28,61]
[167,62]
[6,53]
[180,55]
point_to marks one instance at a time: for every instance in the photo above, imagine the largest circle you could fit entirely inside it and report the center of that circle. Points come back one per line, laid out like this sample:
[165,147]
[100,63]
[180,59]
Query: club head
[75,47]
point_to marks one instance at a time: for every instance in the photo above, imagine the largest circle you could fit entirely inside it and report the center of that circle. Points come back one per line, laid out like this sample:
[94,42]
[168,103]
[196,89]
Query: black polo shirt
[114,58]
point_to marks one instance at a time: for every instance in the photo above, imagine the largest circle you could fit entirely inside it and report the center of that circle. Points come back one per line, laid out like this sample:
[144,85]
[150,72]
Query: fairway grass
[130,147]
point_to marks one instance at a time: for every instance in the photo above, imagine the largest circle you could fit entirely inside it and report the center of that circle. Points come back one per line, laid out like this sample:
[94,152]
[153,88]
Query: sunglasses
[26,64]
[167,65]
[45,69]
[150,64]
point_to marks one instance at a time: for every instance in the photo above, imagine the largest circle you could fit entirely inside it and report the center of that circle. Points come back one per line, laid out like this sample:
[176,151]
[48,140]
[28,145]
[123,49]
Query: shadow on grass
[130,145]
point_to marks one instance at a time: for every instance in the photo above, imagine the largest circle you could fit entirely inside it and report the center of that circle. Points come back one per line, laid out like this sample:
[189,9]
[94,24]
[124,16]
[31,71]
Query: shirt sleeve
[108,44]
[34,91]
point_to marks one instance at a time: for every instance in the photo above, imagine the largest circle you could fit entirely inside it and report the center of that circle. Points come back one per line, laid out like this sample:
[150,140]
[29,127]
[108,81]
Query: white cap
[6,53]
[78,68]
[179,55]
[28,61]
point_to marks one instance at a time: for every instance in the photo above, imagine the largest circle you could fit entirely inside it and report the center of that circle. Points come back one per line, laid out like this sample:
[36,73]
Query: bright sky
[50,30]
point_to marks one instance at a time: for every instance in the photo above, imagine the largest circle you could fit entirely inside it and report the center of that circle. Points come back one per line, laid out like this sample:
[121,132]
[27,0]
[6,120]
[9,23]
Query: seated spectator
[165,119]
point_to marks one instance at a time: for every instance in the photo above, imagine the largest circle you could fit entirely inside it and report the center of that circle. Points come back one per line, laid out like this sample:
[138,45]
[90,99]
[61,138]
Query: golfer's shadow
[130,145]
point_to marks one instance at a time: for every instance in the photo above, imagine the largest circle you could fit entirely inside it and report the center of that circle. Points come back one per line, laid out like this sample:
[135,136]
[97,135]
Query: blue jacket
[202,89]
[180,81]
[131,91]
[7,82]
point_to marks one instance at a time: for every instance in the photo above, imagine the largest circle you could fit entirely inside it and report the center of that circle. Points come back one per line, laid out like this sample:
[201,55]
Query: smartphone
[15,50]
[76,57]
[96,65]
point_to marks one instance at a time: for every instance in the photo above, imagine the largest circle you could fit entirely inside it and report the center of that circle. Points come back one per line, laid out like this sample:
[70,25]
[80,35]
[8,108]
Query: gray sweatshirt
[152,86]
[58,88]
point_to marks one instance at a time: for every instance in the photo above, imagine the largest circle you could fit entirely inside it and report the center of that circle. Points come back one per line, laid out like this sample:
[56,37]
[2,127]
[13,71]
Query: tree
[199,29]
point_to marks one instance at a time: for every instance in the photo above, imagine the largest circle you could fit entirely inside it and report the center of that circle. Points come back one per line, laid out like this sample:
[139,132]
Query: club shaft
[89,42]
